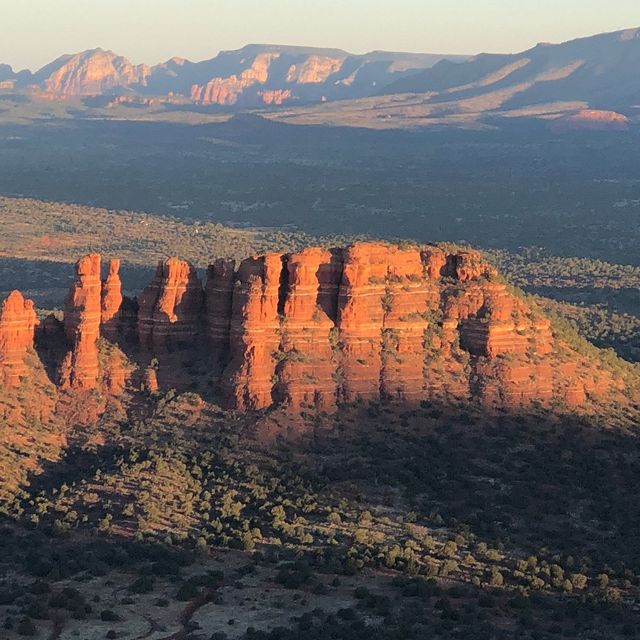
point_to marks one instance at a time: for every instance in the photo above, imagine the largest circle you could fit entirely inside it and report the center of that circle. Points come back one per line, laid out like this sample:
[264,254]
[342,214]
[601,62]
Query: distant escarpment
[582,84]
[256,75]
[309,331]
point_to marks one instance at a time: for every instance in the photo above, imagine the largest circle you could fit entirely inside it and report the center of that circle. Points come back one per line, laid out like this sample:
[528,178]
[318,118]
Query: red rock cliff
[170,308]
[82,314]
[379,322]
[314,329]
[17,328]
[111,301]
[169,324]
[218,303]
[308,363]
[93,73]
[249,378]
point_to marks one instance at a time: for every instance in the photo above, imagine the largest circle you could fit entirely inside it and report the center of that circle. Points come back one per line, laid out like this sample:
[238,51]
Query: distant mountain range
[252,76]
[591,82]
[588,83]
[601,70]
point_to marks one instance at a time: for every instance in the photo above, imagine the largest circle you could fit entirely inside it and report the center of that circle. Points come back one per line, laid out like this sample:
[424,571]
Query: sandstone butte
[311,330]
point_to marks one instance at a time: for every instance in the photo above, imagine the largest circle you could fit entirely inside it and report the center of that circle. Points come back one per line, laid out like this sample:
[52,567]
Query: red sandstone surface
[169,321]
[248,379]
[170,308]
[82,317]
[111,301]
[92,73]
[17,329]
[226,91]
[312,330]
[232,90]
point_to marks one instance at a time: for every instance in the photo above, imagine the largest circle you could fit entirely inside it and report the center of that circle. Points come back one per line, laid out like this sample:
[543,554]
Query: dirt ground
[244,600]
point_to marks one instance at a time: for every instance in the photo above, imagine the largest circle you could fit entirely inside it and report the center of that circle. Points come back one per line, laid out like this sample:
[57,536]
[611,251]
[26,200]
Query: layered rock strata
[218,306]
[82,317]
[169,324]
[393,324]
[249,378]
[307,364]
[17,329]
[170,308]
[316,329]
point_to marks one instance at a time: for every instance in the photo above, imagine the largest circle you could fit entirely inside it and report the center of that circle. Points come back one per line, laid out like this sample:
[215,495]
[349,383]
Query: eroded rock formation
[17,329]
[379,322]
[249,378]
[226,91]
[591,120]
[111,301]
[82,316]
[169,325]
[275,96]
[314,70]
[314,330]
[219,302]
[170,308]
[307,356]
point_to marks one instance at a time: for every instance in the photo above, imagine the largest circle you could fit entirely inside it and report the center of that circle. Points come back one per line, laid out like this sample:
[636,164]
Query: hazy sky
[36,31]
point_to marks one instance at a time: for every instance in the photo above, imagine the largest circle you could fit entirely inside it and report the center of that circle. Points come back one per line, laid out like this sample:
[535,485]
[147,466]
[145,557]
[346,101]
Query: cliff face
[253,76]
[92,308]
[226,91]
[248,380]
[17,329]
[379,322]
[169,318]
[310,70]
[82,316]
[111,302]
[219,303]
[93,72]
[307,366]
[170,308]
[313,330]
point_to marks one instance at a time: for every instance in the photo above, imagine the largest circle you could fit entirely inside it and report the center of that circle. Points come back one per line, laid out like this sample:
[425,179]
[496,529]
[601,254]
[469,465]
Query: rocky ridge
[253,76]
[312,331]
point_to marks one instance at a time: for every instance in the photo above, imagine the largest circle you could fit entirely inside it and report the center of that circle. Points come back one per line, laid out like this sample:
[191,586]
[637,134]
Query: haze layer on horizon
[38,31]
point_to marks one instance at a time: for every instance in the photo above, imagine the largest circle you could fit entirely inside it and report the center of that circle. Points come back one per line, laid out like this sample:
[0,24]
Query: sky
[35,32]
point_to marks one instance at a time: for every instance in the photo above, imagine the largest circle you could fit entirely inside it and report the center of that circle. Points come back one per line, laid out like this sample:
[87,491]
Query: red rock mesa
[314,330]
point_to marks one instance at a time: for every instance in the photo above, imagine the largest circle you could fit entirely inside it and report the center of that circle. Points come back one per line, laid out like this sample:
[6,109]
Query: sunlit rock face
[93,72]
[311,331]
[111,301]
[170,308]
[591,120]
[170,323]
[376,322]
[82,317]
[248,379]
[17,329]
